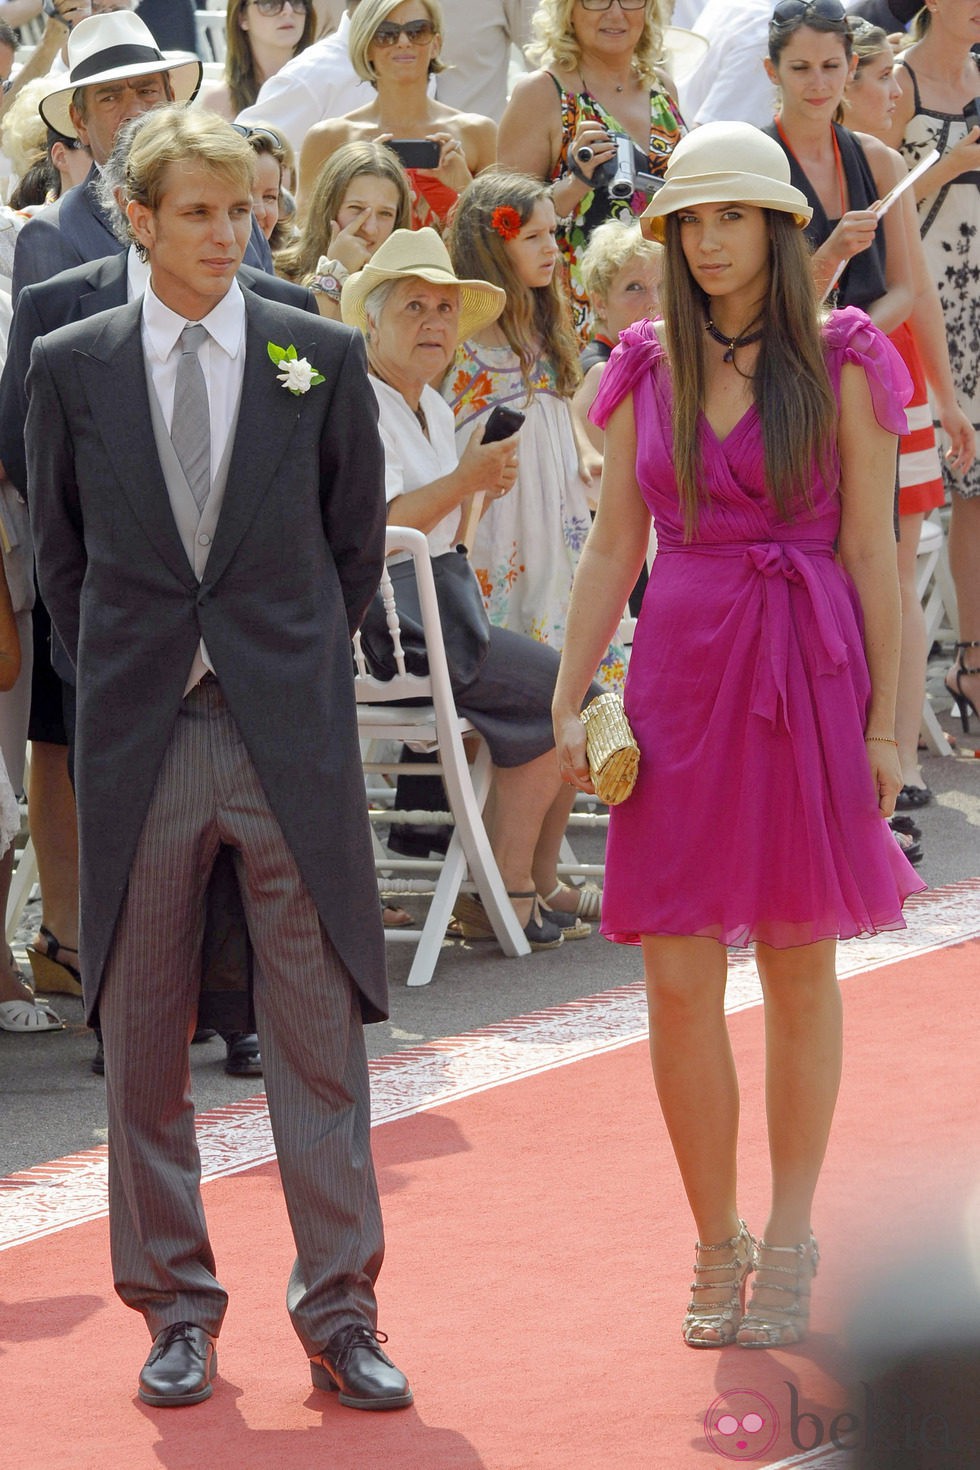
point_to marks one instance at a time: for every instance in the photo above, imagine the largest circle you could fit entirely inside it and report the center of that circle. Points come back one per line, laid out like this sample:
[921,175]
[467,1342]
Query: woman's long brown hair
[790,387]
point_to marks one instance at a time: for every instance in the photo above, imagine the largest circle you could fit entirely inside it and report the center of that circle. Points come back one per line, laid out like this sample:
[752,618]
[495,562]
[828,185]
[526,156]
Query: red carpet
[539,1254]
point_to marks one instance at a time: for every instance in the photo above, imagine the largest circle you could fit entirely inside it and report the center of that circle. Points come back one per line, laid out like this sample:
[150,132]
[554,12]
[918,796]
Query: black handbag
[465,625]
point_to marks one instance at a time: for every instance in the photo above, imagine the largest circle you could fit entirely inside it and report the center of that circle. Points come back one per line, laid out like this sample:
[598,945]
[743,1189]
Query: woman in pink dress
[761,688]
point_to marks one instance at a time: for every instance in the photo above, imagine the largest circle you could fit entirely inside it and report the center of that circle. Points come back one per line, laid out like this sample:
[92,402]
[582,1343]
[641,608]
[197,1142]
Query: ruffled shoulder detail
[638,349]
[851,336]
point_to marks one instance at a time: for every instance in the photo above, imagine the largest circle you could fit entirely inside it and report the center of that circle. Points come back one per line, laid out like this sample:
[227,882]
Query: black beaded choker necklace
[742,339]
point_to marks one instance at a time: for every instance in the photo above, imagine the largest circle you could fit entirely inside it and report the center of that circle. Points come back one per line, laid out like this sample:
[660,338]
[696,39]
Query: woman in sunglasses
[859,259]
[260,37]
[394,45]
[601,79]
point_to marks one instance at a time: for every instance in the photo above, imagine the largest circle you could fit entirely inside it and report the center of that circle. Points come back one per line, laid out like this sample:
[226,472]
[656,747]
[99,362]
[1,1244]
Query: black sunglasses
[276,7]
[789,10]
[265,133]
[418,32]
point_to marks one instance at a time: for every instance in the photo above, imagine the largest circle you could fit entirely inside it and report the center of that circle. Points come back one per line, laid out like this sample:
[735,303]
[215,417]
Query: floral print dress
[666,130]
[528,542]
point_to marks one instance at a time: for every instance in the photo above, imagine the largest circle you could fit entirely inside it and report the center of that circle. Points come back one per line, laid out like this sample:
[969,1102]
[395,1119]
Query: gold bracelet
[882,740]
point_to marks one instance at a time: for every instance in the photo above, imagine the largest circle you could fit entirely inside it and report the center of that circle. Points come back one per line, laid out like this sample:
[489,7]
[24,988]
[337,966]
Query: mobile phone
[502,423]
[972,112]
[416,152]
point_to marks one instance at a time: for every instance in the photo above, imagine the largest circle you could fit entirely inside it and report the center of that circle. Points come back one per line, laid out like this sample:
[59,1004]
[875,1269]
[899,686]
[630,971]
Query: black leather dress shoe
[181,1365]
[244,1058]
[353,1365]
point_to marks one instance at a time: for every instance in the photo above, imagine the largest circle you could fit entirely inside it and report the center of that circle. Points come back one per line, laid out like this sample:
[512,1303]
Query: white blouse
[411,459]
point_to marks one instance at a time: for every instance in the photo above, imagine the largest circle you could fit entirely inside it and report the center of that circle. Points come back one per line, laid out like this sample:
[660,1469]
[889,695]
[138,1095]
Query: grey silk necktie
[191,430]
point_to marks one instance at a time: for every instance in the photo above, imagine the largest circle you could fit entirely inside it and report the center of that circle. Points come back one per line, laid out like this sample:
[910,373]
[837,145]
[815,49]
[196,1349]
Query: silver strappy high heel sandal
[718,1291]
[785,1322]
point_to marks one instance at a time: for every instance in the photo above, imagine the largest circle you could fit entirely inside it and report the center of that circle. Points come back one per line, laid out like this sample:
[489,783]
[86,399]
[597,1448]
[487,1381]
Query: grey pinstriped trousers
[313,1054]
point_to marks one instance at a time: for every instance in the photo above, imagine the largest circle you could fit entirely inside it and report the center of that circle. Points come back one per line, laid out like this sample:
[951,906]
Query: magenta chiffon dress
[754,815]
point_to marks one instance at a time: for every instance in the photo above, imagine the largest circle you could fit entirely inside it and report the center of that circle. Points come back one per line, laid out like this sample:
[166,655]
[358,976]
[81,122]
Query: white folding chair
[383,715]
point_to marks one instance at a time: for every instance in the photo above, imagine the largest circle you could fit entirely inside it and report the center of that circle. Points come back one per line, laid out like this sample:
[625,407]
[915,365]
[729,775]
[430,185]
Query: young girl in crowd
[528,544]
[275,167]
[761,690]
[360,196]
[621,275]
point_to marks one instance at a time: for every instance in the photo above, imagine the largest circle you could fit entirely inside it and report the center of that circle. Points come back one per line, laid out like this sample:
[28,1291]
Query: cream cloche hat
[724,161]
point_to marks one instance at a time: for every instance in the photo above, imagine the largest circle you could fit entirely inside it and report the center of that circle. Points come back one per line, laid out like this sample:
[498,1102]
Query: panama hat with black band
[116,48]
[720,163]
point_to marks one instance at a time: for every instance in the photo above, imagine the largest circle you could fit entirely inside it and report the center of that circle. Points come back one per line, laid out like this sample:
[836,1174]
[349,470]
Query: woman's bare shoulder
[215,97]
[537,88]
[666,81]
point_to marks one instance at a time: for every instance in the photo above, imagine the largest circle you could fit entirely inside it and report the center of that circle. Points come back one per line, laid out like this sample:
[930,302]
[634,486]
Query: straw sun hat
[408,253]
[721,162]
[114,48]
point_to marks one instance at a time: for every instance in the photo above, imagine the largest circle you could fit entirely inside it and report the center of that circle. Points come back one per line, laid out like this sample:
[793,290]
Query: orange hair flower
[506,221]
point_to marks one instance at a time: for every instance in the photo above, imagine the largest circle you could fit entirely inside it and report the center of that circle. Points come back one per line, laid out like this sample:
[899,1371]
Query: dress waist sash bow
[781,564]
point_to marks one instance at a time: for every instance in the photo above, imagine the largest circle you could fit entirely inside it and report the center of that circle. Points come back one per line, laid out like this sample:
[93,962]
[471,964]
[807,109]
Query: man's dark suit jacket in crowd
[70,296]
[75,229]
[74,295]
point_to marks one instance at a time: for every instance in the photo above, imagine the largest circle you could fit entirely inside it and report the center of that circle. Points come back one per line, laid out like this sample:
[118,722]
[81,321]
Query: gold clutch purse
[611,748]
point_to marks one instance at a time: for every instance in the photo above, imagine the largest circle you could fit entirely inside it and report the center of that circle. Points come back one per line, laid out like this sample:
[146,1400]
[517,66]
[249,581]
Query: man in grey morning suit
[211,636]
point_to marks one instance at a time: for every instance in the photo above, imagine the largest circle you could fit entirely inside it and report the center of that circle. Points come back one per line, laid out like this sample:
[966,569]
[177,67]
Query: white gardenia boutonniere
[295,373]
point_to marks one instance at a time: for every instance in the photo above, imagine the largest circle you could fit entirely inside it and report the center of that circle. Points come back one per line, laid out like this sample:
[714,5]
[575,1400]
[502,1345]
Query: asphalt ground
[52,1104]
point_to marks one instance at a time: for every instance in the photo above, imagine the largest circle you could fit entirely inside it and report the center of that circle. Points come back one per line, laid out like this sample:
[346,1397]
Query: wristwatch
[326,285]
[50,8]
[329,278]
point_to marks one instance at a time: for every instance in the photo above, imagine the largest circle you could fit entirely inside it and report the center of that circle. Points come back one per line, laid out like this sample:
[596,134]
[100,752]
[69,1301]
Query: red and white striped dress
[920,476]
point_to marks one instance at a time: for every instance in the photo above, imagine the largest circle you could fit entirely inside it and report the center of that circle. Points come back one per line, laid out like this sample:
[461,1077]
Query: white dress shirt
[222,359]
[729,84]
[477,51]
[137,274]
[413,460]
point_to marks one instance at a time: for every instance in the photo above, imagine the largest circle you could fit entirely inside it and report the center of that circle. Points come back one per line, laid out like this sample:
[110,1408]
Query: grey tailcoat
[296,557]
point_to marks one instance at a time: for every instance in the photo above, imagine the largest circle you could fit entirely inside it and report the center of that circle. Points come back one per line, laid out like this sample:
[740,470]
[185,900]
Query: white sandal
[589,900]
[22,1015]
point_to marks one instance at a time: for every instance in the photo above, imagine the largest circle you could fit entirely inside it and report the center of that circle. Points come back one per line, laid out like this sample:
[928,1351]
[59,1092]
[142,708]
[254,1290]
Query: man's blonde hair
[178,135]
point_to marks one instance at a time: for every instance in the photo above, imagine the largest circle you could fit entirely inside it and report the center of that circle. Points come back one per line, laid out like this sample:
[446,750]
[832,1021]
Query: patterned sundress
[949,222]
[529,542]
[666,129]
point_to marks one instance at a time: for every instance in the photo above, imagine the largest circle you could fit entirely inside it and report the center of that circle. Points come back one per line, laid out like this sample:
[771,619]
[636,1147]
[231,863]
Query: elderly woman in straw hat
[412,309]
[761,688]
